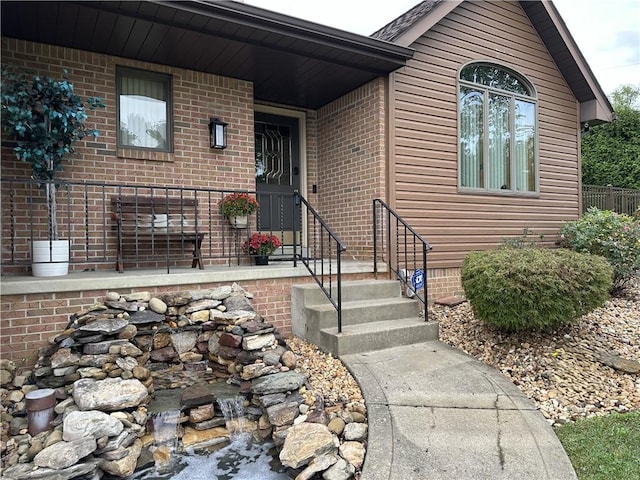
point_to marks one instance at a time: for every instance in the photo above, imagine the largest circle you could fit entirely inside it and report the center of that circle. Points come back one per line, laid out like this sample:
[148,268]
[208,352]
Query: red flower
[238,205]
[261,244]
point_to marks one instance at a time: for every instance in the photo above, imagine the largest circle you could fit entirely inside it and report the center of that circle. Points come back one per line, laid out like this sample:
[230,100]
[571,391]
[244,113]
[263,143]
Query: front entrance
[277,152]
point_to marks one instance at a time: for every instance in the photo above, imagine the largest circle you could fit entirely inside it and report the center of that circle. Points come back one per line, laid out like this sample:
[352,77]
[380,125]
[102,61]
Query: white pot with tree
[45,118]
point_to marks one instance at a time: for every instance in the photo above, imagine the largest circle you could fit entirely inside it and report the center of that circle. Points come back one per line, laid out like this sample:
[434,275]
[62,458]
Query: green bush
[534,288]
[613,236]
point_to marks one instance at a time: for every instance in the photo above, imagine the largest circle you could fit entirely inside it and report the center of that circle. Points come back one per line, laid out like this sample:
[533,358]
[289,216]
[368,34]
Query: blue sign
[417,279]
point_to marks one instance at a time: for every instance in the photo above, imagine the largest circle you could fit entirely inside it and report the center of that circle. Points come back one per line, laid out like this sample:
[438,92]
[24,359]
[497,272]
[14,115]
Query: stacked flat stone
[107,364]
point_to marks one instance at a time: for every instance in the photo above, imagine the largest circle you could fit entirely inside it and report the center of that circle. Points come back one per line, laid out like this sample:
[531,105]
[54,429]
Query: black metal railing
[90,216]
[322,255]
[403,249]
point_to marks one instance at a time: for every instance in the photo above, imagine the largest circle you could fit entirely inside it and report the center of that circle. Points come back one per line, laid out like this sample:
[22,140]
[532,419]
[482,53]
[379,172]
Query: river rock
[127,363]
[93,423]
[201,413]
[184,341]
[289,359]
[355,431]
[318,464]
[200,316]
[336,425]
[127,465]
[106,327]
[204,304]
[128,349]
[145,316]
[306,441]
[619,363]
[230,340]
[341,470]
[177,299]
[164,354]
[157,305]
[256,370]
[256,342]
[64,358]
[353,452]
[278,382]
[196,395]
[202,438]
[283,413]
[100,348]
[29,471]
[123,440]
[109,394]
[128,332]
[137,297]
[64,454]
[237,302]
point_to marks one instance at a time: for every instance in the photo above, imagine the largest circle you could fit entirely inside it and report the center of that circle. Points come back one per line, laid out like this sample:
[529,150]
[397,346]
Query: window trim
[145,75]
[486,90]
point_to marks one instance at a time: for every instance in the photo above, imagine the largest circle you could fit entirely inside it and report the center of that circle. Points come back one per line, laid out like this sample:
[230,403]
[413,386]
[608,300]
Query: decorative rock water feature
[137,378]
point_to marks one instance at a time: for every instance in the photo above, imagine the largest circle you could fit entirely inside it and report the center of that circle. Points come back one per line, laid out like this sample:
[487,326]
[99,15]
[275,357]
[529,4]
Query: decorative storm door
[277,150]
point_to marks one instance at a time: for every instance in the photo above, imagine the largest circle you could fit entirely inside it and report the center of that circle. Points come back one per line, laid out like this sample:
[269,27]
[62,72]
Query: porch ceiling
[290,61]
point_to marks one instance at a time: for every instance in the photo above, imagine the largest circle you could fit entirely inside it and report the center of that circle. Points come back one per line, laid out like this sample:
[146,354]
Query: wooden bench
[151,222]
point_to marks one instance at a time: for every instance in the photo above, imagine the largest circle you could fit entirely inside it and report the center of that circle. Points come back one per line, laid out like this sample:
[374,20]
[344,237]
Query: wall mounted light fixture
[218,133]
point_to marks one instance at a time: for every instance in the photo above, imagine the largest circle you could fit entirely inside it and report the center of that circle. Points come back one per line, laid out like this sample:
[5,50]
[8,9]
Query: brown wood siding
[425,150]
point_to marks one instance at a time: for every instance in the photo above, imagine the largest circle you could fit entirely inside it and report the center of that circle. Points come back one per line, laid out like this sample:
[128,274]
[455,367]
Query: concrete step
[375,315]
[378,335]
[362,311]
[310,294]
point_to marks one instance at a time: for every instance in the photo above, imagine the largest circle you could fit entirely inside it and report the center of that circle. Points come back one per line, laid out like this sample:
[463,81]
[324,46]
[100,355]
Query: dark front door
[277,147]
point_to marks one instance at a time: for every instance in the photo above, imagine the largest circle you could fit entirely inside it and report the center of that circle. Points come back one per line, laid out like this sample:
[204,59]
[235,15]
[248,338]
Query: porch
[179,278]
[37,307]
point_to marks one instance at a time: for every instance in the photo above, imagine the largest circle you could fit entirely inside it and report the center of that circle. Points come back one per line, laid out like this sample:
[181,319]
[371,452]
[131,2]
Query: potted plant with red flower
[260,246]
[237,207]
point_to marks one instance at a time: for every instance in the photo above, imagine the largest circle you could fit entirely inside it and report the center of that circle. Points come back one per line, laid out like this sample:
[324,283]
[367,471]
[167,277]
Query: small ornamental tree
[45,118]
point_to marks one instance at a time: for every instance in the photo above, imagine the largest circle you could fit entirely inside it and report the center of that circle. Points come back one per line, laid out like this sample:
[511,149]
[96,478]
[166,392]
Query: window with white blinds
[144,110]
[497,130]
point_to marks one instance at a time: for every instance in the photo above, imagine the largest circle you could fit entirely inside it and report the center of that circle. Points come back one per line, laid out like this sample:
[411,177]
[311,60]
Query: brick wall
[351,163]
[443,282]
[29,321]
[196,97]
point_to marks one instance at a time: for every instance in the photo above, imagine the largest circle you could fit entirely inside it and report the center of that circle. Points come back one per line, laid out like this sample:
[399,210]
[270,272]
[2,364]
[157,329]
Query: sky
[607,31]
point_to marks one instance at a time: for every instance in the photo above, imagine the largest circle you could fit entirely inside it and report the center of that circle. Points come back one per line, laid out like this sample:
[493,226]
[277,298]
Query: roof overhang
[594,104]
[290,61]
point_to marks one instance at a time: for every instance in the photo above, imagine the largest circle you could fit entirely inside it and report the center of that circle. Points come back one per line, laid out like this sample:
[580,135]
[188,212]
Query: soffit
[289,61]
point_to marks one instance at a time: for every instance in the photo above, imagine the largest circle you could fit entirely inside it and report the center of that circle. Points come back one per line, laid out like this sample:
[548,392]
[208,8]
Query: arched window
[497,130]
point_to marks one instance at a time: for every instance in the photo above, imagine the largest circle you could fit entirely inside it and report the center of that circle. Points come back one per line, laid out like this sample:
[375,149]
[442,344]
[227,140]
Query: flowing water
[241,459]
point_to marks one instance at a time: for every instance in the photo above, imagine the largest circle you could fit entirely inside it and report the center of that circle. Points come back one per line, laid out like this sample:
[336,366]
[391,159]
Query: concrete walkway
[437,413]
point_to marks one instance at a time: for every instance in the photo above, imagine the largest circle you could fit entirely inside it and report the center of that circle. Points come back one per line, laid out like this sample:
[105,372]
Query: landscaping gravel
[564,371]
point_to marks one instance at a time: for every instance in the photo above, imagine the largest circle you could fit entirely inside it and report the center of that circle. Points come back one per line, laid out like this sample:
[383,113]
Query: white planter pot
[239,222]
[49,258]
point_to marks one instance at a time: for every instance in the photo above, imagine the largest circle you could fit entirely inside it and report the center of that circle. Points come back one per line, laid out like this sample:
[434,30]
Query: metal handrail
[89,218]
[322,245]
[406,251]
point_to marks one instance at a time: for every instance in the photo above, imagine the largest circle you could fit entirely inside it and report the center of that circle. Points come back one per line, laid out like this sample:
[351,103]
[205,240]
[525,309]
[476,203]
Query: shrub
[613,236]
[523,240]
[534,288]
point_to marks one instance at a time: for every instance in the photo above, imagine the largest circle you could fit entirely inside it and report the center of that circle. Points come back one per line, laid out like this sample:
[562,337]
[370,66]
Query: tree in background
[611,151]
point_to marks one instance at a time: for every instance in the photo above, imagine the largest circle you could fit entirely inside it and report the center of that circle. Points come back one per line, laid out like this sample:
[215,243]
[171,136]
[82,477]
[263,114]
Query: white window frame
[531,98]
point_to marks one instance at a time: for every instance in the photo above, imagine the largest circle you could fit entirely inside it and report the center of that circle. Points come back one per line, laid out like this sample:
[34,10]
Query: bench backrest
[145,214]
